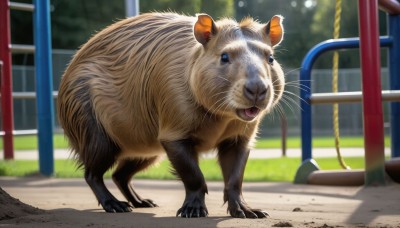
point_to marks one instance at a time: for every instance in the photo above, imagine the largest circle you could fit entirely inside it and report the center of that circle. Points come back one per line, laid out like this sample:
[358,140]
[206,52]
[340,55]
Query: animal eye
[271,59]
[224,58]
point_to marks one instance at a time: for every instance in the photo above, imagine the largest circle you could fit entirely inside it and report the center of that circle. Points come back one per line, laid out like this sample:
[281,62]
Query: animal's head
[235,73]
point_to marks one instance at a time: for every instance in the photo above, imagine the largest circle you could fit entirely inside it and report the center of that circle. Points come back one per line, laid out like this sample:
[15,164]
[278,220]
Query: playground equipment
[371,98]
[44,84]
[335,76]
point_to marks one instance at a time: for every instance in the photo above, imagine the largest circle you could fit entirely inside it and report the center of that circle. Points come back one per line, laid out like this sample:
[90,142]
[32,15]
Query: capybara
[167,83]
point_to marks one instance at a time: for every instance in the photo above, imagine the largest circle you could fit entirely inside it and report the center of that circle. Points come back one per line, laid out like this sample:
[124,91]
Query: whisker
[281,50]
[279,110]
[210,110]
[219,103]
[297,84]
[290,71]
[291,99]
[219,93]
[287,103]
[224,79]
[293,94]
[220,106]
[273,112]
[226,106]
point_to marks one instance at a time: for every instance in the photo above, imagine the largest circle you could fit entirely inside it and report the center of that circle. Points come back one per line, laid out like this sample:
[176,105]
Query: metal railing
[21,6]
[28,95]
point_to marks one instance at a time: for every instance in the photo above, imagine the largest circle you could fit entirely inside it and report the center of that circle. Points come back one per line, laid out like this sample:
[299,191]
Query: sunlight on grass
[29,142]
[275,169]
[318,142]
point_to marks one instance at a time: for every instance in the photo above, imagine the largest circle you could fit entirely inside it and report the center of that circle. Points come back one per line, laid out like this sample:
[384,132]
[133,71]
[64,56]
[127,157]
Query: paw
[239,209]
[144,203]
[115,206]
[192,211]
[193,207]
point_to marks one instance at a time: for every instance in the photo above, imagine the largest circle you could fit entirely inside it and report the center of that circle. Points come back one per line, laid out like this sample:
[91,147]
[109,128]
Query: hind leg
[94,178]
[95,150]
[105,198]
[123,174]
[102,157]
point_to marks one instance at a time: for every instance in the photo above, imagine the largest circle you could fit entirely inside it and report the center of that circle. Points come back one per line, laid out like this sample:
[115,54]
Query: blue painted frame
[44,86]
[305,81]
[394,73]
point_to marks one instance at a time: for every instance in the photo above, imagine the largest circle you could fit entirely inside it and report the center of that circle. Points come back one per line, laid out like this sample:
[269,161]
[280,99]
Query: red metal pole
[390,6]
[371,86]
[6,80]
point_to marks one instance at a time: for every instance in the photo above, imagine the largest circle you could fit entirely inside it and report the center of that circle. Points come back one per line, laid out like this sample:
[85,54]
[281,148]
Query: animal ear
[204,28]
[274,30]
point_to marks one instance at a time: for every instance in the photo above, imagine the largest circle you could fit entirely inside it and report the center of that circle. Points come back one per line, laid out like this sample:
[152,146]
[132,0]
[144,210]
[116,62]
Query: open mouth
[248,114]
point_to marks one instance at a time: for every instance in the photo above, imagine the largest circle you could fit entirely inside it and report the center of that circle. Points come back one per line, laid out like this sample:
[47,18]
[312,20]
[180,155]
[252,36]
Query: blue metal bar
[394,74]
[44,86]
[305,80]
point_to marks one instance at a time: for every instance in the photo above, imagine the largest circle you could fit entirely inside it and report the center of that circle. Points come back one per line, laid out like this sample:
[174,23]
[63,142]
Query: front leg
[184,159]
[232,156]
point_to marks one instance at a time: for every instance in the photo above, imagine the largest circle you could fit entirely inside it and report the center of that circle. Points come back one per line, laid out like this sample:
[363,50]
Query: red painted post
[390,6]
[371,86]
[6,81]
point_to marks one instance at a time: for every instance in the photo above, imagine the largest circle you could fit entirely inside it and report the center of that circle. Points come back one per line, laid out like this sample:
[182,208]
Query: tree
[179,6]
[215,8]
[323,29]
[74,22]
[307,23]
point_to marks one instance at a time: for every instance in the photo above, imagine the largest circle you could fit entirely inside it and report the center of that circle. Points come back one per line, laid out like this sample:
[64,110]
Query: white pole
[131,8]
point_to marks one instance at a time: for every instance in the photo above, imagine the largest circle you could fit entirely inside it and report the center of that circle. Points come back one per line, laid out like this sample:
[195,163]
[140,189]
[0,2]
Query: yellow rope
[335,67]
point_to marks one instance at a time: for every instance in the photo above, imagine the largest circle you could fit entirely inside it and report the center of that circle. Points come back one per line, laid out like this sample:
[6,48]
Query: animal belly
[141,151]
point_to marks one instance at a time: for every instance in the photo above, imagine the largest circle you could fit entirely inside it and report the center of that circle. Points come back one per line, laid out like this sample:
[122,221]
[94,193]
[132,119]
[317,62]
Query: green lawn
[275,169]
[318,142]
[30,142]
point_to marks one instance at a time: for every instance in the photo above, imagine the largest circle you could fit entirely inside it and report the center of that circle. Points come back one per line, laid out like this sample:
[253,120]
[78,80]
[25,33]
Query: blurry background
[307,22]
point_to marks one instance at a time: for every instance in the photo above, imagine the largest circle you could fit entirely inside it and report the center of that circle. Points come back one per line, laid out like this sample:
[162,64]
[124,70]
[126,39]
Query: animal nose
[255,90]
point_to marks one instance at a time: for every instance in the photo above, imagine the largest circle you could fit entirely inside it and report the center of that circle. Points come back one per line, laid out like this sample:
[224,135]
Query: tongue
[252,112]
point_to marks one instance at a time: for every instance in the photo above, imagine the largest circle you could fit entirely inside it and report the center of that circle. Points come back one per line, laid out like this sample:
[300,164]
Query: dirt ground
[70,203]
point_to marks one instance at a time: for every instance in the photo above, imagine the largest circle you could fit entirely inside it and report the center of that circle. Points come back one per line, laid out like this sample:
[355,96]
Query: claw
[192,213]
[261,214]
[239,209]
[239,214]
[250,214]
[178,212]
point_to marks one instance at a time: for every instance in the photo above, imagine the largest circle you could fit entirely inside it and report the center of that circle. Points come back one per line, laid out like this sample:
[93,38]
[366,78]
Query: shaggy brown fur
[157,82]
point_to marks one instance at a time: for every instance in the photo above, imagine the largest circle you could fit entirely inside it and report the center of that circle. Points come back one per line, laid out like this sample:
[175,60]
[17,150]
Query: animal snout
[255,90]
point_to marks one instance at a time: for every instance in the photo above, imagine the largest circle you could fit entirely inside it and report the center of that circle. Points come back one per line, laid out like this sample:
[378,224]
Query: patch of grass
[30,142]
[318,142]
[60,142]
[275,169]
